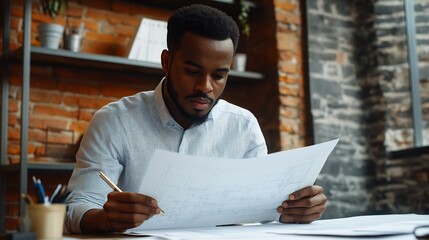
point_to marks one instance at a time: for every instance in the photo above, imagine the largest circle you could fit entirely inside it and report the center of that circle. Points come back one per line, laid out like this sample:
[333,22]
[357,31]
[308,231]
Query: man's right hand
[122,211]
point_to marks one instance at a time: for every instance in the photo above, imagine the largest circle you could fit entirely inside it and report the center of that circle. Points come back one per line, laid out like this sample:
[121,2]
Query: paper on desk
[360,226]
[202,191]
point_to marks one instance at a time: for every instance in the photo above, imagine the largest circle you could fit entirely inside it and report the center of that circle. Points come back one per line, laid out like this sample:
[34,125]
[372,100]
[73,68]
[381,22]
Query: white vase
[50,35]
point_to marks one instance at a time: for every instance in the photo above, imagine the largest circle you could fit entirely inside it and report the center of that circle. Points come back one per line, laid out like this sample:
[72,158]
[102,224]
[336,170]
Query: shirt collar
[162,109]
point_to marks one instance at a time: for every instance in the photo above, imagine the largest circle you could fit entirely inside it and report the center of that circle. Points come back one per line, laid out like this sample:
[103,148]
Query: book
[150,40]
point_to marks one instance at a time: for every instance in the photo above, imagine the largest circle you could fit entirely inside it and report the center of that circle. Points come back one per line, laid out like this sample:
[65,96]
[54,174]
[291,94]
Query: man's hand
[122,211]
[303,206]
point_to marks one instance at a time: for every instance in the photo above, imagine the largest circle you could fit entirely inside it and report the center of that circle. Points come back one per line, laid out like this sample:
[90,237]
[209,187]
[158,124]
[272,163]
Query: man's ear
[165,60]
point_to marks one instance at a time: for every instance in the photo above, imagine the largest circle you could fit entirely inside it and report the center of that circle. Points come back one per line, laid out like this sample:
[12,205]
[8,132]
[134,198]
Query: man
[183,114]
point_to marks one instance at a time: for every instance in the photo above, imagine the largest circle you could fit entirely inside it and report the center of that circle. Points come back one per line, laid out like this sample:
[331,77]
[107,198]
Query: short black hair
[202,20]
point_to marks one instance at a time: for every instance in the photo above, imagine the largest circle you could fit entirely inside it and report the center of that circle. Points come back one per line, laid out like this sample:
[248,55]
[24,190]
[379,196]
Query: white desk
[380,227]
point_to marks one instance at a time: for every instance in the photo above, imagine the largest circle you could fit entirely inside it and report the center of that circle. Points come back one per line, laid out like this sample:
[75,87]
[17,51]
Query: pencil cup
[47,220]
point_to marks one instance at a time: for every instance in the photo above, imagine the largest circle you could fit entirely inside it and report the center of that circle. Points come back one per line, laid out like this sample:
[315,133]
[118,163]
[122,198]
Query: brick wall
[359,93]
[295,124]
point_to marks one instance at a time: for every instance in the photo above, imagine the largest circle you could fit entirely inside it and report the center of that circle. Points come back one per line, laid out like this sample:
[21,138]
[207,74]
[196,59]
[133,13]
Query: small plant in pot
[50,34]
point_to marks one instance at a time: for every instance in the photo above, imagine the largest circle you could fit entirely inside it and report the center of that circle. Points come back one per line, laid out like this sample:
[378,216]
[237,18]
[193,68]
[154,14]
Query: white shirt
[122,137]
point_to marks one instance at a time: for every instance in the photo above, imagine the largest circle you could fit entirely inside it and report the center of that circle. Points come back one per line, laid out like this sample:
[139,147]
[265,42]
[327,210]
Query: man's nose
[204,84]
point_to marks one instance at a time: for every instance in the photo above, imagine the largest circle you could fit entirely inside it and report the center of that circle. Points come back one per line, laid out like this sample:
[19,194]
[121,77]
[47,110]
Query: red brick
[288,90]
[13,148]
[288,41]
[13,133]
[14,105]
[74,11]
[15,80]
[43,96]
[43,82]
[284,127]
[87,102]
[12,119]
[13,92]
[36,135]
[97,47]
[40,151]
[77,87]
[61,138]
[118,91]
[106,38]
[287,67]
[126,31]
[43,123]
[17,11]
[98,4]
[85,115]
[286,17]
[79,126]
[40,70]
[288,112]
[138,9]
[96,13]
[290,101]
[58,111]
[16,23]
[288,79]
[90,25]
[285,5]
[31,148]
[13,159]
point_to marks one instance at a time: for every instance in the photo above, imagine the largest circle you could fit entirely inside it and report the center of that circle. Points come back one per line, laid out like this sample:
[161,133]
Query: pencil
[116,188]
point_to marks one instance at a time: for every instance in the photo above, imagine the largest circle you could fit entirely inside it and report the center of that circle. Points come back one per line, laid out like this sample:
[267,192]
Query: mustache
[200,95]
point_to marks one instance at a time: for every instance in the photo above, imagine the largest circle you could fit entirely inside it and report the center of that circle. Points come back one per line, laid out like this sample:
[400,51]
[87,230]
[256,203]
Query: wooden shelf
[87,60]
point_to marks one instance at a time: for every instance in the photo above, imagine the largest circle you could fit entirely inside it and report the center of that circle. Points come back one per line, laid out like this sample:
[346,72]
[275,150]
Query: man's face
[196,75]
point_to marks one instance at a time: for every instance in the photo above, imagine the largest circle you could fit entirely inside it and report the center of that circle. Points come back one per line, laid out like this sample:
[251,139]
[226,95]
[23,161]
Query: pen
[55,193]
[39,197]
[116,188]
[42,191]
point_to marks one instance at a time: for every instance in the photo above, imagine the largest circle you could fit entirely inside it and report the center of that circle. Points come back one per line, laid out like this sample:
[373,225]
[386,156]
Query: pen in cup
[116,188]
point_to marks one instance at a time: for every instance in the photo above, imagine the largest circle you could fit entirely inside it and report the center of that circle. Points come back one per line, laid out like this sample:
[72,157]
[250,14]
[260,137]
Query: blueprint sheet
[204,192]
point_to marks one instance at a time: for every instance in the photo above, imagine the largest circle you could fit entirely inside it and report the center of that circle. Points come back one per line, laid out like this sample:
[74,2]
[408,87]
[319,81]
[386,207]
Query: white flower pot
[50,35]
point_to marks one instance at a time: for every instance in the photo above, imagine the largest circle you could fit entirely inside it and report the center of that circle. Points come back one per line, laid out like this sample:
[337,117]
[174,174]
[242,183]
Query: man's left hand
[303,206]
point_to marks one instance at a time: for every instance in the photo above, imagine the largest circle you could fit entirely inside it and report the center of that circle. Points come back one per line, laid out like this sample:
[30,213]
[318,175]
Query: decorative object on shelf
[73,37]
[150,40]
[243,17]
[50,34]
[239,62]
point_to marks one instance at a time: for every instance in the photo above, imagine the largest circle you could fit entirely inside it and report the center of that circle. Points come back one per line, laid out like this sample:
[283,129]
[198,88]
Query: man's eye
[218,77]
[192,72]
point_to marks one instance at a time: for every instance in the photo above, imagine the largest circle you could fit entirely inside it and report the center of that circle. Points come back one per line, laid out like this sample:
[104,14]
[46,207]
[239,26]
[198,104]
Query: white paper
[205,192]
[372,225]
[380,227]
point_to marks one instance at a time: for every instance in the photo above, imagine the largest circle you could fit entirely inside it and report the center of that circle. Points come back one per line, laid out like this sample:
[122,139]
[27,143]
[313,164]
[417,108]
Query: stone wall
[359,93]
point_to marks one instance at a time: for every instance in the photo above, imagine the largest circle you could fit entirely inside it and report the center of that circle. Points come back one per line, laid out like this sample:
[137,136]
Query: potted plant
[239,61]
[50,34]
[243,17]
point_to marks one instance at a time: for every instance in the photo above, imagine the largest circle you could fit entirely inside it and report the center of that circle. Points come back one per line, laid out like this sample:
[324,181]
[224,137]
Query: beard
[193,118]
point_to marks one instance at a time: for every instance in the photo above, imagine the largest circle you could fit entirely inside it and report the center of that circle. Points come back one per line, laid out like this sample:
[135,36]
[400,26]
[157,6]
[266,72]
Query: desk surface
[380,227]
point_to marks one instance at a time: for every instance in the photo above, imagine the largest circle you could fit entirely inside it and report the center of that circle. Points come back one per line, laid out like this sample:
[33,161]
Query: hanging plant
[53,7]
[243,17]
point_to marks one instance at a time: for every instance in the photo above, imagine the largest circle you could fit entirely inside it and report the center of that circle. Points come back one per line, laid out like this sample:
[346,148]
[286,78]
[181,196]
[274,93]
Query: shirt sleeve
[100,150]
[257,145]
